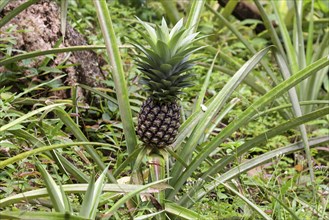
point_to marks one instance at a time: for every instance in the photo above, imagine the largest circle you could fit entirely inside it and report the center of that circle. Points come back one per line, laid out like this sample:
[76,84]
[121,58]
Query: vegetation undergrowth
[253,136]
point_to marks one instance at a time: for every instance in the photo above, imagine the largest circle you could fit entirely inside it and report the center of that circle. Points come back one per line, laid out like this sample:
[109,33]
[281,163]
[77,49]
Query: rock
[38,28]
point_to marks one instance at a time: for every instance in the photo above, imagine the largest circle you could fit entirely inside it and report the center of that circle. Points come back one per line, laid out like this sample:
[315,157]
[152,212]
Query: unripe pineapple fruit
[164,63]
[158,122]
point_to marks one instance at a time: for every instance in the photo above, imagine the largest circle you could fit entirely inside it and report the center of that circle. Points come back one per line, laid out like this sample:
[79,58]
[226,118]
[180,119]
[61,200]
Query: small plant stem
[158,171]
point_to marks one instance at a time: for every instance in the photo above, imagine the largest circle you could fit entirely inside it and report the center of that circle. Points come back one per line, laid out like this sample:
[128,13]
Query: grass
[252,141]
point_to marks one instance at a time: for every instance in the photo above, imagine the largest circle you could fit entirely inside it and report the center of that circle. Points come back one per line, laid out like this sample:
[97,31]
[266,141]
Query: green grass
[254,133]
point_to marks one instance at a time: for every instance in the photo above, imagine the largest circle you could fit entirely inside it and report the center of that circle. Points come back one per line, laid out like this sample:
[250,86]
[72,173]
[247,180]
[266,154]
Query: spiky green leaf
[166,58]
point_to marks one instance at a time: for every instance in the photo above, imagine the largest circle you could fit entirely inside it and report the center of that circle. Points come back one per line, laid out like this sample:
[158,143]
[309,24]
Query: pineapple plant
[164,63]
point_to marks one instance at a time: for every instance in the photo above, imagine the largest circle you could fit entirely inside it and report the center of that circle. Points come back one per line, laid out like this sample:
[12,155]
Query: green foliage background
[282,187]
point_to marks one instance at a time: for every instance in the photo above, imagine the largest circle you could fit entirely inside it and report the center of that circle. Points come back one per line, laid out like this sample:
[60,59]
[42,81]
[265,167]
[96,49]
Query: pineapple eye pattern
[158,123]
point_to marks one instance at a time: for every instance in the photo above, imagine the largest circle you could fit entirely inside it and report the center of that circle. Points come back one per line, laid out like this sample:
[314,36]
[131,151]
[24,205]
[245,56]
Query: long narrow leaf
[87,203]
[309,45]
[53,189]
[269,26]
[299,40]
[38,86]
[264,136]
[298,112]
[171,10]
[73,188]
[16,11]
[227,11]
[291,53]
[105,22]
[33,54]
[213,109]
[130,195]
[67,165]
[243,118]
[113,100]
[26,154]
[194,15]
[67,204]
[182,212]
[149,216]
[220,116]
[74,128]
[28,115]
[311,102]
[249,80]
[250,164]
[243,40]
[286,207]
[3,4]
[157,167]
[26,215]
[125,163]
[205,85]
[253,142]
[246,200]
[92,196]
[99,185]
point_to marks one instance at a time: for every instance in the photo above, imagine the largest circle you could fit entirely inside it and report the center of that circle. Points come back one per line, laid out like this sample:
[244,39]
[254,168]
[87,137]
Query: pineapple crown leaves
[165,61]
[165,43]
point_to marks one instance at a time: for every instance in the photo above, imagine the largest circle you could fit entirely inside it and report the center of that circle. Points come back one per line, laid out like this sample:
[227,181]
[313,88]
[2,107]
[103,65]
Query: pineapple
[164,63]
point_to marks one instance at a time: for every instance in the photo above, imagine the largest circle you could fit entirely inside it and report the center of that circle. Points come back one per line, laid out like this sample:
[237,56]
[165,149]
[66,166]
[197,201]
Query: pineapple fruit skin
[158,122]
